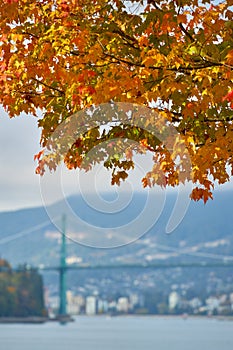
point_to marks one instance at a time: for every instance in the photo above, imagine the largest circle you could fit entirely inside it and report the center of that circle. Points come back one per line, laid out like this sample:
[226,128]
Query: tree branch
[182,69]
[48,86]
[186,32]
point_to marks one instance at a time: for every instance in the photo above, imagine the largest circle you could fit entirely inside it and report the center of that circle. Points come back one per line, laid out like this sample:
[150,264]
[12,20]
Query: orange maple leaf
[38,155]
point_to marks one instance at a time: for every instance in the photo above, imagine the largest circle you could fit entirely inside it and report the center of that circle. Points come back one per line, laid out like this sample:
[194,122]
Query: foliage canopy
[21,292]
[175,57]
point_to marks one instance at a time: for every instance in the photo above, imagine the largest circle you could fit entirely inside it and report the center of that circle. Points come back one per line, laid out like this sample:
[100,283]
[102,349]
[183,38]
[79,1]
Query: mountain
[205,232]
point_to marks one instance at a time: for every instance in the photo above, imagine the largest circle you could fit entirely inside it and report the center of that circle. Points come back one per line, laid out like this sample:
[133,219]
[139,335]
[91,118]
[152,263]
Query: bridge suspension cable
[186,251]
[25,232]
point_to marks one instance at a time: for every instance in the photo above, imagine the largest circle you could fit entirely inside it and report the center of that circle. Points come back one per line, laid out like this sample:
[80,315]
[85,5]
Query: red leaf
[228,97]
[38,155]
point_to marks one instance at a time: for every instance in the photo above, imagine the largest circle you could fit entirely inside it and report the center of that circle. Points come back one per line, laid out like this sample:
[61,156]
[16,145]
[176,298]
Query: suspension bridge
[223,262]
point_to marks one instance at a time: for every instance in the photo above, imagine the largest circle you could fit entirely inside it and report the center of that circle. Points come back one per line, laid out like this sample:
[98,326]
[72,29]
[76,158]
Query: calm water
[120,333]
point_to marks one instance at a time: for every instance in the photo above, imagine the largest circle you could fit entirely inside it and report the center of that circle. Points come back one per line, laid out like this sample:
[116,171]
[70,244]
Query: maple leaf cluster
[173,57]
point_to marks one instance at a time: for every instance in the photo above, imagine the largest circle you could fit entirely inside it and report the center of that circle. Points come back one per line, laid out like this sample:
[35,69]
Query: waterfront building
[91,305]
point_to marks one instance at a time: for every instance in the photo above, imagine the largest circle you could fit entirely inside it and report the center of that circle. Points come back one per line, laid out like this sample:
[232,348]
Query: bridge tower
[62,270]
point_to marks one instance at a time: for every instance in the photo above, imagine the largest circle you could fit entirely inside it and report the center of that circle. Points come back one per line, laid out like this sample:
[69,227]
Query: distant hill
[206,230]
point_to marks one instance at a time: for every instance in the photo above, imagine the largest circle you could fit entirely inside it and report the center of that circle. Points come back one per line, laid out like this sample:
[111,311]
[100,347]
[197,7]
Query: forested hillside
[21,292]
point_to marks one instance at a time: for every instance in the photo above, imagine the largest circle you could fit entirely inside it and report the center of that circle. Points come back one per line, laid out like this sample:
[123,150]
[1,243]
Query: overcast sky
[19,141]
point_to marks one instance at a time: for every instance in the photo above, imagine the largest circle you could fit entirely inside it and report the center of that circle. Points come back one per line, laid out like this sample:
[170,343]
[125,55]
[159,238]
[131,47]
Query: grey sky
[19,141]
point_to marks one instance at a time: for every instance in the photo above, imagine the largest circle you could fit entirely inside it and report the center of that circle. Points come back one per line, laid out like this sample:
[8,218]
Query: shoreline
[35,319]
[31,319]
[73,318]
[184,317]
